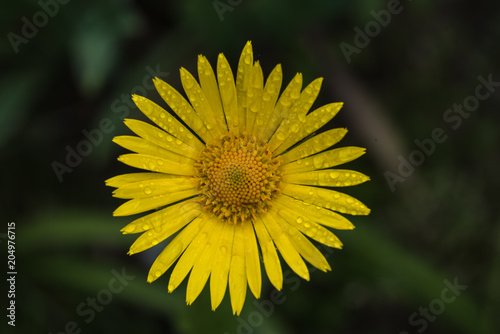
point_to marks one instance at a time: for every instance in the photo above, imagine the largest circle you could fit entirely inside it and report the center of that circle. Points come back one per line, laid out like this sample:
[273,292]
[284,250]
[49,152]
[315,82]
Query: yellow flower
[239,175]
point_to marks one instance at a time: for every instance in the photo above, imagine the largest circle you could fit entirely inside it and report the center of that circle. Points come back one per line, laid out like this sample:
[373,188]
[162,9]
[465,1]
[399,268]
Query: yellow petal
[175,248]
[160,219]
[183,109]
[252,259]
[323,160]
[155,187]
[191,255]
[161,138]
[199,102]
[166,121]
[314,145]
[282,108]
[220,266]
[326,198]
[243,77]
[308,227]
[318,214]
[288,252]
[305,248]
[162,231]
[208,83]
[296,115]
[237,274]
[312,122]
[269,98]
[269,254]
[202,267]
[121,180]
[228,95]
[327,178]
[156,164]
[138,205]
[139,145]
[254,96]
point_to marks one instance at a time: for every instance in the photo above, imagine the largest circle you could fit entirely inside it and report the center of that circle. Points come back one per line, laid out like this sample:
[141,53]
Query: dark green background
[441,224]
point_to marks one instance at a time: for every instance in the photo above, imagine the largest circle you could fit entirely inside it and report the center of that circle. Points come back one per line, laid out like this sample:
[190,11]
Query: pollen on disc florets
[238,177]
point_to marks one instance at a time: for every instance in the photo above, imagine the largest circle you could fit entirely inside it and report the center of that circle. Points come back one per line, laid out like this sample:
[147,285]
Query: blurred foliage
[441,224]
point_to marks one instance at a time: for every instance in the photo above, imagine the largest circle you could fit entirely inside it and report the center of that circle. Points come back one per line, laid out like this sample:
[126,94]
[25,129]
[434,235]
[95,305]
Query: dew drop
[188,82]
[154,242]
[318,161]
[159,162]
[286,102]
[147,190]
[130,228]
[223,250]
[157,273]
[300,220]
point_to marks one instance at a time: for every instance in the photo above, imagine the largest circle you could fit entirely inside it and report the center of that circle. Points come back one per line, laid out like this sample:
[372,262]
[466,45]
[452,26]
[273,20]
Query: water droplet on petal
[130,228]
[318,162]
[147,190]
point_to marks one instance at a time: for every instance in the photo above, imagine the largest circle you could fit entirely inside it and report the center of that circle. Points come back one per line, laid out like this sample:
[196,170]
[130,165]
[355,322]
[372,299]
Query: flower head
[235,172]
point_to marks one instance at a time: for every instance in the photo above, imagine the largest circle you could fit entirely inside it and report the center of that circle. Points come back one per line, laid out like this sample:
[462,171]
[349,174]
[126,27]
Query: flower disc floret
[238,177]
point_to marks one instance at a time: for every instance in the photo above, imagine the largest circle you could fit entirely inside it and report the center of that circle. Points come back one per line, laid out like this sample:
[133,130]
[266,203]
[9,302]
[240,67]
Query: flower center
[238,177]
